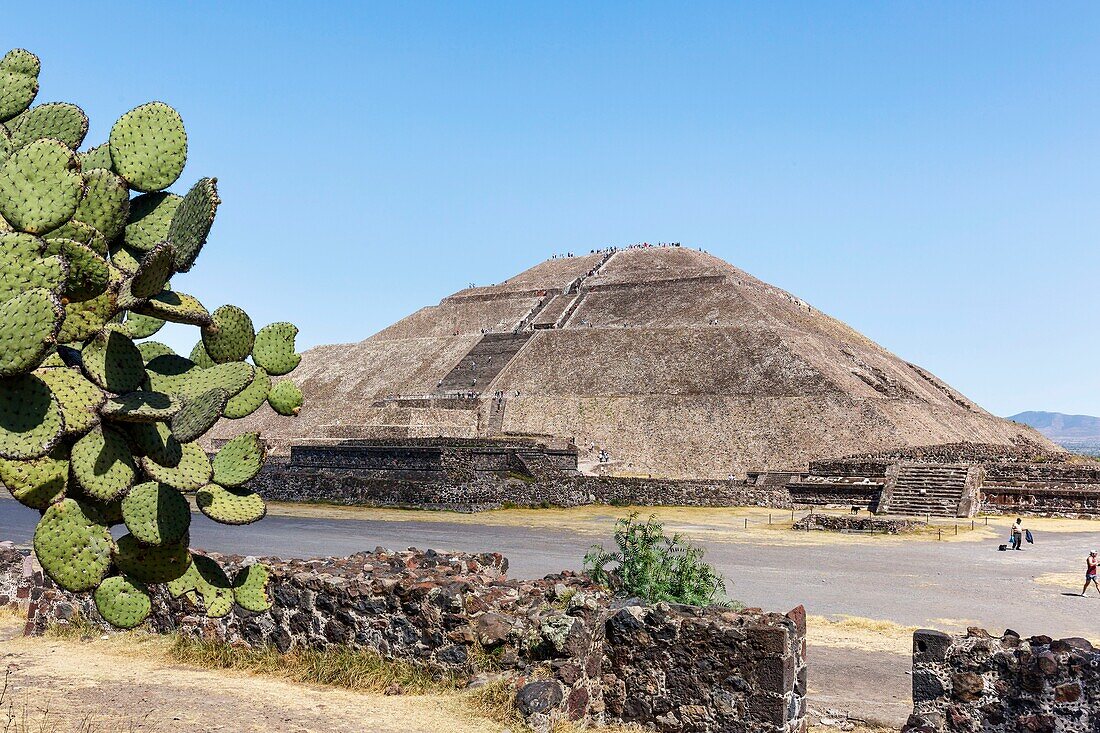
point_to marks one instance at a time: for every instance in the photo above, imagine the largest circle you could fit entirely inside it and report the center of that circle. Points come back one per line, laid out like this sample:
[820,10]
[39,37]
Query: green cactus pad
[78,398]
[171,305]
[285,398]
[89,274]
[80,232]
[250,588]
[205,580]
[122,602]
[125,259]
[169,373]
[193,471]
[38,482]
[149,146]
[18,82]
[230,335]
[97,157]
[24,265]
[102,464]
[152,563]
[153,273]
[113,361]
[30,418]
[230,506]
[58,120]
[274,349]
[29,323]
[87,318]
[192,221]
[156,514]
[149,219]
[198,415]
[40,187]
[73,548]
[137,326]
[200,357]
[251,398]
[155,442]
[152,349]
[233,377]
[239,460]
[141,406]
[105,204]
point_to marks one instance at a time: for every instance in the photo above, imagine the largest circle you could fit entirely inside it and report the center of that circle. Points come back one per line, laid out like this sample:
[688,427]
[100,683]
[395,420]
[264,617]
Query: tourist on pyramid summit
[1091,563]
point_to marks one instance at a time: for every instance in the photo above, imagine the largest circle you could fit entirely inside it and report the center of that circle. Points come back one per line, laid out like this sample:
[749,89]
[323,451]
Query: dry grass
[18,717]
[351,669]
[865,634]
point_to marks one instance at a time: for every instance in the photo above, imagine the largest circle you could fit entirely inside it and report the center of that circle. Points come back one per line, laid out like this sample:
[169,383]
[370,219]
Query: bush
[651,566]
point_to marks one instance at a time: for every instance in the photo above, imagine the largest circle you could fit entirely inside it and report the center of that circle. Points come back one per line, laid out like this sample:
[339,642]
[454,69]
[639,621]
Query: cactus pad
[191,472]
[141,406]
[153,273]
[152,563]
[89,274]
[155,441]
[274,349]
[105,204]
[230,335]
[230,506]
[198,415]
[170,305]
[80,232]
[192,221]
[251,397]
[102,464]
[113,361]
[233,377]
[149,146]
[24,265]
[97,157]
[39,482]
[122,602]
[137,326]
[285,398]
[85,319]
[58,120]
[239,460]
[205,579]
[40,187]
[125,259]
[29,323]
[250,588]
[150,216]
[78,398]
[73,548]
[169,372]
[18,82]
[156,514]
[152,349]
[200,357]
[30,418]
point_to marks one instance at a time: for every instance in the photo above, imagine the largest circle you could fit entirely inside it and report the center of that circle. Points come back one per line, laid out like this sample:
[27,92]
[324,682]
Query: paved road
[918,583]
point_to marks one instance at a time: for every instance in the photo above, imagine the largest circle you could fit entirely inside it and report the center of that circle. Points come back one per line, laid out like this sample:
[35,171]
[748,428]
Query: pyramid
[664,361]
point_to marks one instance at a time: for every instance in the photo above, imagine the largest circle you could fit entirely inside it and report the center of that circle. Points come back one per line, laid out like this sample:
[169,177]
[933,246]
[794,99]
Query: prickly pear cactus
[97,427]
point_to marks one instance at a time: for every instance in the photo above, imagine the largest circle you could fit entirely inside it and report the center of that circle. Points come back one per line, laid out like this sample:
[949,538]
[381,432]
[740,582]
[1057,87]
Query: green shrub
[654,567]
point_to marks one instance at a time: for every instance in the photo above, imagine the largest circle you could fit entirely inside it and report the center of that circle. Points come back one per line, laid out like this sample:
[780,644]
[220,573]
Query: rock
[541,696]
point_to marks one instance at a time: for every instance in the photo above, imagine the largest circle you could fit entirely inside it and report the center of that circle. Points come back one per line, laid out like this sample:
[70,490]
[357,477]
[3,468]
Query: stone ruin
[1008,684]
[573,652]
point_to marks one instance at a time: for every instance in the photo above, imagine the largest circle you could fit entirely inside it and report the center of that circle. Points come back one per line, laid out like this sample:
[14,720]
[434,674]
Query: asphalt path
[918,583]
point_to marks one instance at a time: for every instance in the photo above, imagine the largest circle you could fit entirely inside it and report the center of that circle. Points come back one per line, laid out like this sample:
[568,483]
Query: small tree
[98,427]
[649,565]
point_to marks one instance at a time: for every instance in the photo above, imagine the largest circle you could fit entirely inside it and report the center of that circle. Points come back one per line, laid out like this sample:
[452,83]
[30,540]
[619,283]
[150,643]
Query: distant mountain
[1058,426]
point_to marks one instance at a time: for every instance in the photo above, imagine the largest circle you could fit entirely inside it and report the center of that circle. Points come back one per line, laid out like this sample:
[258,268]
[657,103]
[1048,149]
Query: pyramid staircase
[483,363]
[929,489]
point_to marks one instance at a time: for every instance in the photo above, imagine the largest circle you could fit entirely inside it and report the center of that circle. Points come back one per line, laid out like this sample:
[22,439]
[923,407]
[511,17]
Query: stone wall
[842,523]
[573,651]
[481,491]
[1004,685]
[836,493]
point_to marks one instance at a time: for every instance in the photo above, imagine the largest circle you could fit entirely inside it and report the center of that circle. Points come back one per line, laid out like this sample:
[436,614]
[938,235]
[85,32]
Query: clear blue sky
[928,172]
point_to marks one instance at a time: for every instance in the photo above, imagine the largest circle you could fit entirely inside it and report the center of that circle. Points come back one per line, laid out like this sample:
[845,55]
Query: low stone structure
[575,652]
[1004,685]
[842,523]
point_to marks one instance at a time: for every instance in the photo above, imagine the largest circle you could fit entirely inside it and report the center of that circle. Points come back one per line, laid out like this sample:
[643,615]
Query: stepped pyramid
[672,361]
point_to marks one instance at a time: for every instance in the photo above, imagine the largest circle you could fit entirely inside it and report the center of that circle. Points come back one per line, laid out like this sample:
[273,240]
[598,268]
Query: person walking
[1018,534]
[1091,563]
